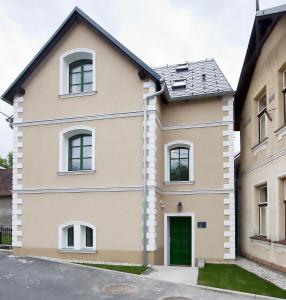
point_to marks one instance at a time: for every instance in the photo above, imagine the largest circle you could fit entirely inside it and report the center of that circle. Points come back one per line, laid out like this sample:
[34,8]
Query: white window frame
[64,137]
[263,187]
[175,144]
[65,60]
[79,237]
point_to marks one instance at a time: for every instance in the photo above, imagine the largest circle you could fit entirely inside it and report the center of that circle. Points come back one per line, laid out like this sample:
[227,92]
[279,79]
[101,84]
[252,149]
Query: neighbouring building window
[284,95]
[178,158]
[77,72]
[179,84]
[262,206]
[80,152]
[179,164]
[77,149]
[80,79]
[262,109]
[77,235]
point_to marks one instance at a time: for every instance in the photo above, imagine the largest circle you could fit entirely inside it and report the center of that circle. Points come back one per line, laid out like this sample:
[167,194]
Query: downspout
[150,96]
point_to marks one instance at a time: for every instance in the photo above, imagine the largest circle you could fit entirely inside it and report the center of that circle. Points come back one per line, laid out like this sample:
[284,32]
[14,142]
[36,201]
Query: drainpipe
[150,96]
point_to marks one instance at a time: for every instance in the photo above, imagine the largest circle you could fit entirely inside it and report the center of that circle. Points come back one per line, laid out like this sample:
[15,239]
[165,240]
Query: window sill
[75,172]
[280,246]
[84,250]
[64,96]
[178,182]
[280,132]
[262,145]
[261,239]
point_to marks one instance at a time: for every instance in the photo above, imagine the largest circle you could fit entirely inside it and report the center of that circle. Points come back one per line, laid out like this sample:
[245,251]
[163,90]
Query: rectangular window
[262,206]
[179,84]
[284,95]
[262,108]
[88,237]
[70,237]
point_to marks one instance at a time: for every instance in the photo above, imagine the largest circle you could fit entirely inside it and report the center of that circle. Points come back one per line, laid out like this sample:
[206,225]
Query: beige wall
[263,166]
[118,87]
[117,143]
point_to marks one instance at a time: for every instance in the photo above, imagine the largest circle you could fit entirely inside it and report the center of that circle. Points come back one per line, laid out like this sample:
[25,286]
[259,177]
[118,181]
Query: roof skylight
[182,67]
[179,84]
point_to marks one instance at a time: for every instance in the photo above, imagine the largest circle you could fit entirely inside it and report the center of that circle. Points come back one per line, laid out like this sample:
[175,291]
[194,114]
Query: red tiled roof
[5,182]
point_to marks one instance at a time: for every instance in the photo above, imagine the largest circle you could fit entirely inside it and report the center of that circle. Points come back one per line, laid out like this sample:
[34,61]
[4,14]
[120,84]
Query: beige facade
[110,196]
[263,162]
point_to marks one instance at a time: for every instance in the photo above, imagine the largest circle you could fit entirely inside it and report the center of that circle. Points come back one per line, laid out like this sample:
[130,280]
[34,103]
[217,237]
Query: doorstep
[185,275]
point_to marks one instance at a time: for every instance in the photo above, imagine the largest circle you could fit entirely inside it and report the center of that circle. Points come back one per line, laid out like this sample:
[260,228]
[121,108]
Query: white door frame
[167,235]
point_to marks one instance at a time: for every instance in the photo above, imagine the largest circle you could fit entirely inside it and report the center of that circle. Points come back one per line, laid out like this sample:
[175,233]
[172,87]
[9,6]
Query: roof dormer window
[182,67]
[179,84]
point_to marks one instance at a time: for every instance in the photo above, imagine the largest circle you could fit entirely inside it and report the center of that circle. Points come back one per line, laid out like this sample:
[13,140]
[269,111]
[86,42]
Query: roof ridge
[186,62]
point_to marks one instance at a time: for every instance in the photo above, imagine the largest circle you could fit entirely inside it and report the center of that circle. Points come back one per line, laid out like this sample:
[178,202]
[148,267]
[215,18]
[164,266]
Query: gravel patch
[276,277]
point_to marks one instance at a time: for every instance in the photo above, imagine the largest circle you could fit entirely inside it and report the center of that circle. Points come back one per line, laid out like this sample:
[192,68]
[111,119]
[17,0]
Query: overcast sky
[158,31]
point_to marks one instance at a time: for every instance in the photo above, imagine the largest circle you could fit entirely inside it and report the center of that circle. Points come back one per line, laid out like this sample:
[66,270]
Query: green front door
[180,240]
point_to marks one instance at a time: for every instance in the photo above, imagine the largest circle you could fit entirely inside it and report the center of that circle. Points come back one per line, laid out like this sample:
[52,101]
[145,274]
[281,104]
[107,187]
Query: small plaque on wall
[202,224]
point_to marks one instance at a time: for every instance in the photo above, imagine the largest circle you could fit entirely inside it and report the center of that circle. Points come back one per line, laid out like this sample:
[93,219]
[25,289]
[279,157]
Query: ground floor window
[262,207]
[77,236]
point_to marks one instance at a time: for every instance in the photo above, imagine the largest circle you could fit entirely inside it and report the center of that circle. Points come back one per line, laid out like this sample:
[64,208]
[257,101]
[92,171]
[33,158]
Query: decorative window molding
[72,56]
[64,137]
[175,144]
[77,236]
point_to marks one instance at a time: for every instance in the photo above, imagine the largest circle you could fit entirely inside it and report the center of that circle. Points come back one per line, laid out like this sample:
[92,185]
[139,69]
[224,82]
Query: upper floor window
[262,206]
[262,116]
[179,165]
[284,95]
[77,149]
[77,72]
[80,152]
[80,76]
[77,236]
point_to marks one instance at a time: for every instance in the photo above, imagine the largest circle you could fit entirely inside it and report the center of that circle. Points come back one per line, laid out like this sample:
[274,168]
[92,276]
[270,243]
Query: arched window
[77,150]
[77,236]
[179,164]
[80,152]
[178,158]
[77,72]
[80,76]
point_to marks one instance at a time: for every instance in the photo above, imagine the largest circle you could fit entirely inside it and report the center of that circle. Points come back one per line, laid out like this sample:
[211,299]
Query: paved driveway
[29,279]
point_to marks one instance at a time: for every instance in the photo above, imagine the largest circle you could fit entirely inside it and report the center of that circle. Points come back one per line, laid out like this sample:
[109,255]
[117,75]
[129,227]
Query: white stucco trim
[151,140]
[17,173]
[78,236]
[228,177]
[64,136]
[174,144]
[167,234]
[123,189]
[66,59]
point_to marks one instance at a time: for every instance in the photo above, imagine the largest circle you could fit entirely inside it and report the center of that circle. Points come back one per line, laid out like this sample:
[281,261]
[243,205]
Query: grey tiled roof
[197,85]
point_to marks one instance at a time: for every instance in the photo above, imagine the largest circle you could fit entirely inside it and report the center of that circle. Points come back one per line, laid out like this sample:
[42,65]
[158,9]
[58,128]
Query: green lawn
[126,269]
[232,277]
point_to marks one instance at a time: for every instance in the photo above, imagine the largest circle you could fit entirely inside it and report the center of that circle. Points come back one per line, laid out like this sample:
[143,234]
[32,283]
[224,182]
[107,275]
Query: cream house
[260,116]
[115,161]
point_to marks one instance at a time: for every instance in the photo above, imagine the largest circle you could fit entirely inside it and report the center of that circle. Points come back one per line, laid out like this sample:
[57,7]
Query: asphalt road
[30,278]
